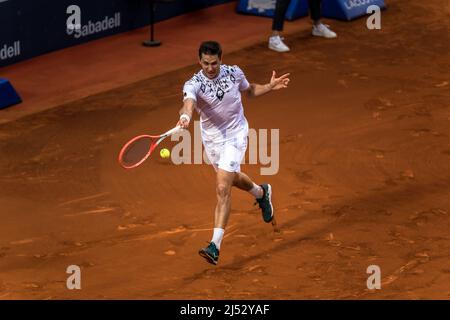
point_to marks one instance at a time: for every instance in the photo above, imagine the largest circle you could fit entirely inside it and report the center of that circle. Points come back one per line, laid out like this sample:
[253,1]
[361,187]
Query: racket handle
[172,131]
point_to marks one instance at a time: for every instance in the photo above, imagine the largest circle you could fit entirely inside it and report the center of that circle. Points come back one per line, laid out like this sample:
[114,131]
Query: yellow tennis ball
[164,153]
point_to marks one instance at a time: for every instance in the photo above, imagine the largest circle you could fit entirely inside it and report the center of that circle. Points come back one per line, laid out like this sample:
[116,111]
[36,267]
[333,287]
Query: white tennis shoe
[276,44]
[323,30]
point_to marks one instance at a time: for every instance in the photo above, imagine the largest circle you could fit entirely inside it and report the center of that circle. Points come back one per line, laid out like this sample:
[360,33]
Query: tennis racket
[138,149]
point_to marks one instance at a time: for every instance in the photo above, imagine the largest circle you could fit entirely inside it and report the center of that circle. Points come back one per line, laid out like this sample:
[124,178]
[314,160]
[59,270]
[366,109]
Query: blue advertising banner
[31,28]
[337,9]
[266,8]
[8,96]
[348,9]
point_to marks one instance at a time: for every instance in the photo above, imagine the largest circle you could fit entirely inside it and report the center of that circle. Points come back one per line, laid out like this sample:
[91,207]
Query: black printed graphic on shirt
[219,87]
[220,93]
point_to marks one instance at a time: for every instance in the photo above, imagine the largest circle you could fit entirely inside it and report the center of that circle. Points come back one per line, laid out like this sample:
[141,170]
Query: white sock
[257,191]
[218,236]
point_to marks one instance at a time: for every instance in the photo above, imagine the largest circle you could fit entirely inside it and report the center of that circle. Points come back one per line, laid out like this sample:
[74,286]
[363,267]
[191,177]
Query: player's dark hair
[210,48]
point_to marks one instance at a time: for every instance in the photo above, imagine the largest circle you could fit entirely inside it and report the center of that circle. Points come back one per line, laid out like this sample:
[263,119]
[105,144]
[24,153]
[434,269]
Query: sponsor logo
[261,5]
[8,52]
[92,27]
[350,4]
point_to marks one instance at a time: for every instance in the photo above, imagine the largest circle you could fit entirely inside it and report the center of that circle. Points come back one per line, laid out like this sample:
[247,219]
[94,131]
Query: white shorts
[227,154]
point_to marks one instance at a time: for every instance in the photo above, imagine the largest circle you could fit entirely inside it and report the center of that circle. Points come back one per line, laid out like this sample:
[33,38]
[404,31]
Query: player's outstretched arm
[186,113]
[275,83]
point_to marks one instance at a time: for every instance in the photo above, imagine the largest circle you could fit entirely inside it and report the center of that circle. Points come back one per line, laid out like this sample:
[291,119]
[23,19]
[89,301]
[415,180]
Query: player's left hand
[279,83]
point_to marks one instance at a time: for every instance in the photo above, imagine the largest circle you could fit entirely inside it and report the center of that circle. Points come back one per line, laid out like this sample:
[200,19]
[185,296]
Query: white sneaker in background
[276,44]
[322,30]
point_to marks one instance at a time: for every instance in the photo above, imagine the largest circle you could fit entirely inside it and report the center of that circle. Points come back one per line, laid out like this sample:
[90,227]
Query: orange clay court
[364,176]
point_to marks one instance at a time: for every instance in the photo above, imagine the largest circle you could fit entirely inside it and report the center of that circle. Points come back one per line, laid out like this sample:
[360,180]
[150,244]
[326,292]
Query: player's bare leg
[224,183]
[243,182]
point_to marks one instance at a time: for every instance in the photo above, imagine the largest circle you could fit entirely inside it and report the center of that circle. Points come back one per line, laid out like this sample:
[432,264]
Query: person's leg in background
[275,41]
[319,29]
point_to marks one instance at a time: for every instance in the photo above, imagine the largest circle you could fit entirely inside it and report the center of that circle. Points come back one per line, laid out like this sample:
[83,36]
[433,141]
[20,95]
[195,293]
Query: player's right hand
[183,123]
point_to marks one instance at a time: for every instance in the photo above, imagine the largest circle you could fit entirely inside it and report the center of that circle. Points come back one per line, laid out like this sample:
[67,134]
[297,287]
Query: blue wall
[29,28]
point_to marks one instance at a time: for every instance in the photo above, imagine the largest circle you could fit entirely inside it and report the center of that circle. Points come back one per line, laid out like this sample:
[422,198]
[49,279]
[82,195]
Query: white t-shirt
[219,102]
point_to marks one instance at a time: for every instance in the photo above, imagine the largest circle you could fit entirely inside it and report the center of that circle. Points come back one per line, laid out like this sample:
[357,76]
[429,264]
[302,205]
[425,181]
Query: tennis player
[215,93]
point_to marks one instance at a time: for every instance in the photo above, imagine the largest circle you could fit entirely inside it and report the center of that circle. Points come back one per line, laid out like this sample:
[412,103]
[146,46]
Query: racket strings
[136,151]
